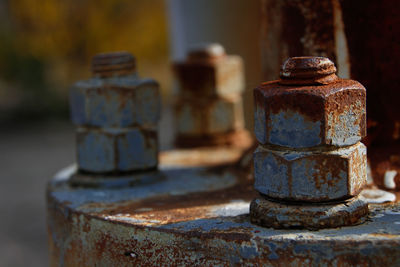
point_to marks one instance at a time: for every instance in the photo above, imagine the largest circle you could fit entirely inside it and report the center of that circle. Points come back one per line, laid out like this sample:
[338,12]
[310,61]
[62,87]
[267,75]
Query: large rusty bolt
[311,175]
[116,113]
[310,106]
[310,159]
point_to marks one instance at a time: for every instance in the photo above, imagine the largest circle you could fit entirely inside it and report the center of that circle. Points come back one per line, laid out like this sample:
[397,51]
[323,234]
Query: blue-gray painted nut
[310,175]
[116,149]
[115,102]
[207,117]
[300,116]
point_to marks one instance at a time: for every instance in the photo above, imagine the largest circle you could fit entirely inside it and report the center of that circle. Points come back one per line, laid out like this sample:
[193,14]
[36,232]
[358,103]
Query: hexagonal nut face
[114,150]
[308,116]
[311,176]
[115,102]
[208,117]
[221,77]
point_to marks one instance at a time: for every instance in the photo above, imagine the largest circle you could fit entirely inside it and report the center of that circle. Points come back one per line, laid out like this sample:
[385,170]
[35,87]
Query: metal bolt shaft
[113,64]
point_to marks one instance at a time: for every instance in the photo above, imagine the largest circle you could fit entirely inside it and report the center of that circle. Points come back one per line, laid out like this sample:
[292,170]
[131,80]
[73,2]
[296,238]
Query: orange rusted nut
[299,112]
[309,125]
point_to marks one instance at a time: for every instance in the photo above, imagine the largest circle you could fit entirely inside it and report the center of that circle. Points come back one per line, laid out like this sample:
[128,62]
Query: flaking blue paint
[291,129]
[271,177]
[135,152]
[95,151]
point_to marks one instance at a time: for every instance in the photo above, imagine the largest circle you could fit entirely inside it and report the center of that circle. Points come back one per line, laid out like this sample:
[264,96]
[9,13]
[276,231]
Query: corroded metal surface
[308,70]
[209,108]
[311,175]
[116,114]
[309,125]
[362,39]
[267,212]
[174,220]
[306,116]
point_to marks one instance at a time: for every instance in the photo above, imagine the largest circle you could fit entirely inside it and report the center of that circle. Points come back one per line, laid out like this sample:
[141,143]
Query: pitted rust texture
[373,29]
[308,71]
[309,130]
[361,43]
[310,176]
[209,105]
[295,27]
[116,114]
[332,114]
[267,212]
[201,225]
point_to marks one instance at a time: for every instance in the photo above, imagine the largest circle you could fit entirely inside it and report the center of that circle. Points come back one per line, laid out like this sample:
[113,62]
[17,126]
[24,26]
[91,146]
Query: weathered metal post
[209,108]
[310,165]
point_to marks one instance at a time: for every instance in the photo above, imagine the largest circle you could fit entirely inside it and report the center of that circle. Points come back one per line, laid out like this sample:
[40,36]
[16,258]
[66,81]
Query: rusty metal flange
[279,215]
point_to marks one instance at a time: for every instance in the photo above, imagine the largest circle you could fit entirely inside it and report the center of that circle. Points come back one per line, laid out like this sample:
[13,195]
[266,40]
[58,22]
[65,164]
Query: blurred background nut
[209,108]
[310,175]
[303,115]
[209,116]
[116,149]
[115,102]
[115,97]
[207,71]
[117,114]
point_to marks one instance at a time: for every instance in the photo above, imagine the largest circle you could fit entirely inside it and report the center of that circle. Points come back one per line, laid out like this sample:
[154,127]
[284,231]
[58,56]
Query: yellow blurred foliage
[65,34]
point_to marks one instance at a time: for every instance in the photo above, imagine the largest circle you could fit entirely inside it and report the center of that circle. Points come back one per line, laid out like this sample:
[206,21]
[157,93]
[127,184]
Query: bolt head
[309,116]
[310,175]
[115,102]
[116,149]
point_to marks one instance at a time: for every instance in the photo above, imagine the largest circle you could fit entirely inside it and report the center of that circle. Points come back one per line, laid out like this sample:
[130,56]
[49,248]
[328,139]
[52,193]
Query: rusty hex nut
[116,149]
[115,102]
[209,116]
[210,77]
[301,116]
[313,176]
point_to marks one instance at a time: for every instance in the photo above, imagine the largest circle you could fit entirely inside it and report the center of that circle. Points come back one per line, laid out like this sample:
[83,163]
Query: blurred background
[46,45]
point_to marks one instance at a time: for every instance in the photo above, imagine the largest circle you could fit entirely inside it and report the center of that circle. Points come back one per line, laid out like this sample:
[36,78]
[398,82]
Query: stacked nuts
[310,164]
[209,107]
[116,114]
